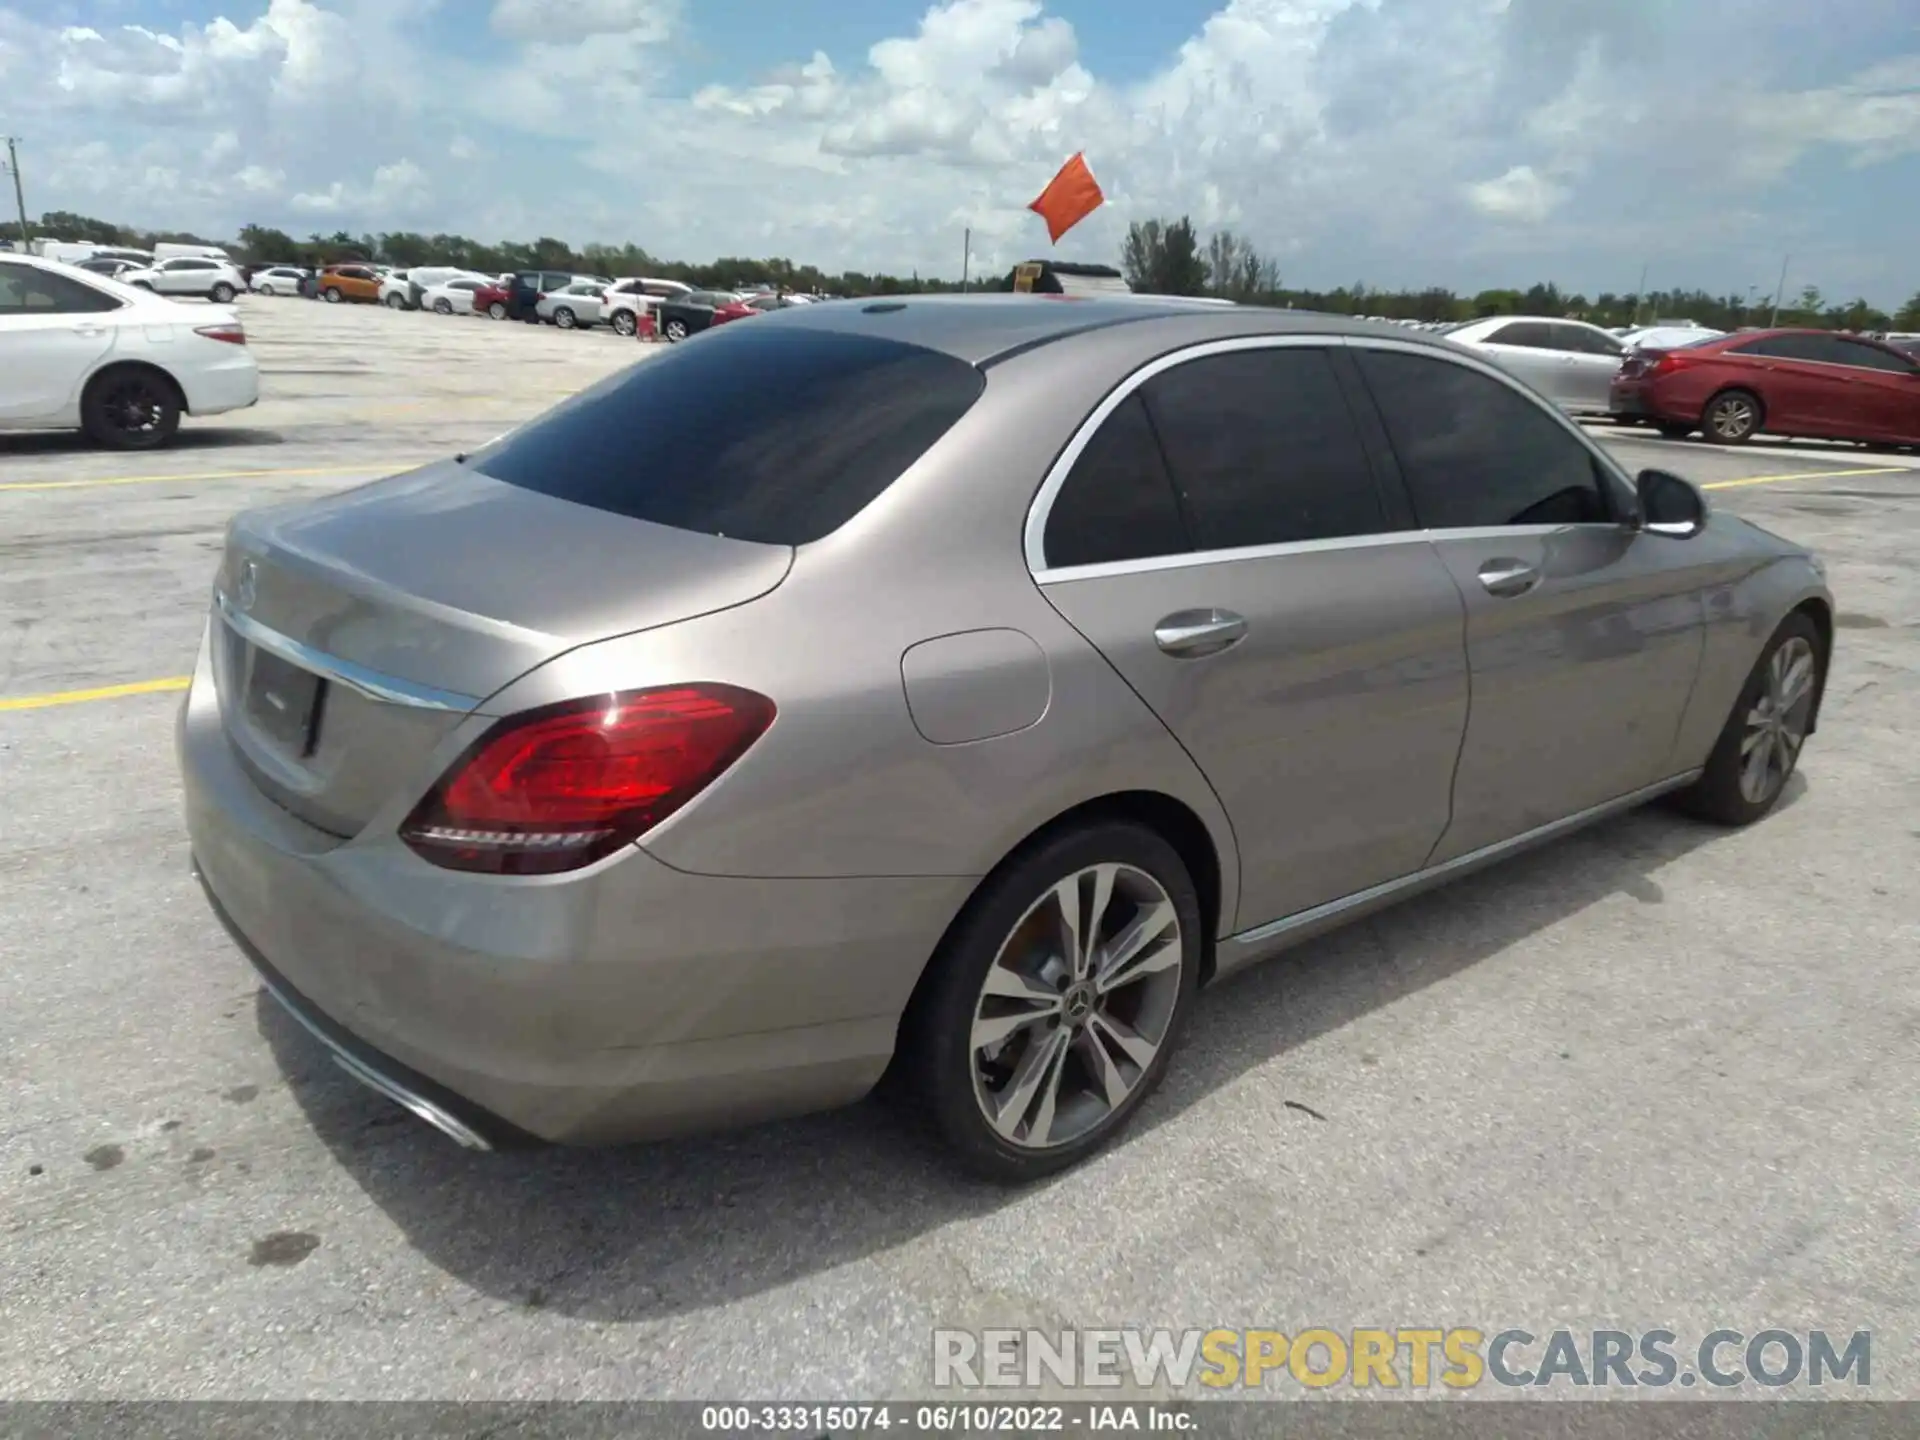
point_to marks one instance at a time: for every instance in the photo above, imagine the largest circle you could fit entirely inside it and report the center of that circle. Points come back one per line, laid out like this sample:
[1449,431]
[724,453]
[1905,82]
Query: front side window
[25,290]
[1118,501]
[1475,452]
[1263,449]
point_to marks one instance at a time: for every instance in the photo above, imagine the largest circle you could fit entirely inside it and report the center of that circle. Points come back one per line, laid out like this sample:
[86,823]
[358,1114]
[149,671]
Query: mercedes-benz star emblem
[249,587]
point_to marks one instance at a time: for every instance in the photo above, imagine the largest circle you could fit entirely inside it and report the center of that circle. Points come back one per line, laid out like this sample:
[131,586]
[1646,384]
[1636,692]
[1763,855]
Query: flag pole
[966,258]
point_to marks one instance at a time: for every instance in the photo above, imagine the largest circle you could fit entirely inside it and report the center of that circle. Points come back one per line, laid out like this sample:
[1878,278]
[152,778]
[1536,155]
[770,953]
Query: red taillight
[561,787]
[234,334]
[1666,364]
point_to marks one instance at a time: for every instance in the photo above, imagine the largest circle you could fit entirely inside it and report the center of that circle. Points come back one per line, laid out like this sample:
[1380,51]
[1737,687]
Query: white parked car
[453,297]
[81,352]
[406,289]
[278,280]
[216,280]
[1668,337]
[632,296]
[1568,361]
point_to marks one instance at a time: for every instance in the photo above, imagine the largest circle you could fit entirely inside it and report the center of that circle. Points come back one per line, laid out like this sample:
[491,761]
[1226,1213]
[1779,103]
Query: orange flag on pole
[1069,198]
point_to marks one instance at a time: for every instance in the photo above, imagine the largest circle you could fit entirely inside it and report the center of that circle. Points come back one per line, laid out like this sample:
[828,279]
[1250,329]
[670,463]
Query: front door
[1223,542]
[1584,633]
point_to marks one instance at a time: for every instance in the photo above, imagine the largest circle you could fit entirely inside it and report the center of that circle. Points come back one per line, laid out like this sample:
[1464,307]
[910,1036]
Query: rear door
[53,330]
[1583,631]
[1222,540]
[1592,359]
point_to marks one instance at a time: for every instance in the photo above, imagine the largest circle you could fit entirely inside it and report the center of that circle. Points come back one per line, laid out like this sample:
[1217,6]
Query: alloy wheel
[1075,1006]
[134,406]
[1777,723]
[1733,417]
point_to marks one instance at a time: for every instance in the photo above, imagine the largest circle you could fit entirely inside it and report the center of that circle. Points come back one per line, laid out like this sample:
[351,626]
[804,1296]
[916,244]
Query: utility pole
[966,259]
[19,195]
[1778,290]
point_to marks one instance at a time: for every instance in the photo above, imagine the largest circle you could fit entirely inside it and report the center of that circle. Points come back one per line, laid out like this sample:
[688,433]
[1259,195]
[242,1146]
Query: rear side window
[763,434]
[1474,452]
[1870,357]
[1118,502]
[1529,333]
[1263,449]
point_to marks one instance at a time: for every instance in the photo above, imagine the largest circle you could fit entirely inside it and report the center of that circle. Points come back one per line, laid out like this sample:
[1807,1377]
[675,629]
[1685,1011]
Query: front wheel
[1052,1008]
[1757,751]
[396,302]
[331,295]
[624,324]
[443,307]
[563,317]
[222,294]
[676,331]
[131,409]
[497,311]
[1732,417]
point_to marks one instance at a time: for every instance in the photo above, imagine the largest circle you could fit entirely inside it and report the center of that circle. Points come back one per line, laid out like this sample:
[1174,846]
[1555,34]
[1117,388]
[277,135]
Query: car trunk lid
[356,632]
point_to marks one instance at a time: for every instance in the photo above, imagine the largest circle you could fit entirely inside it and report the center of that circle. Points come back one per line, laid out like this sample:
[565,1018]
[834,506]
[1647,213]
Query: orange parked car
[349,282]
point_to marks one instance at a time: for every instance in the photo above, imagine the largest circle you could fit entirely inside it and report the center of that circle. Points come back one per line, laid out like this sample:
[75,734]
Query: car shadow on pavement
[649,1231]
[72,442]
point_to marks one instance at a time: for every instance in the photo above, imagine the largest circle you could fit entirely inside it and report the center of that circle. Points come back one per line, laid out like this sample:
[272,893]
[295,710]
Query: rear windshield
[761,432]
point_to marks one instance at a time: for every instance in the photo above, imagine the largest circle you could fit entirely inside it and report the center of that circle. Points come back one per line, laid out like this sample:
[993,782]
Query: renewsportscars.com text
[1401,1357]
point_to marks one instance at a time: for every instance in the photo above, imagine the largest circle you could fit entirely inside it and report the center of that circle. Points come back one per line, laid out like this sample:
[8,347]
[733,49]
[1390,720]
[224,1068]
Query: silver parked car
[574,306]
[1568,361]
[984,675]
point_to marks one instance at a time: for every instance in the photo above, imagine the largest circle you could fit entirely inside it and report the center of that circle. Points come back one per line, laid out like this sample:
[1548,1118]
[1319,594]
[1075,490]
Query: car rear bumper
[630,1001]
[1632,400]
[230,382]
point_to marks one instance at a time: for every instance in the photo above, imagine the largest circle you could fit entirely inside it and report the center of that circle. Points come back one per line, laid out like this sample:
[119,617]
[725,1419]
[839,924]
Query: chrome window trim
[1041,508]
[386,689]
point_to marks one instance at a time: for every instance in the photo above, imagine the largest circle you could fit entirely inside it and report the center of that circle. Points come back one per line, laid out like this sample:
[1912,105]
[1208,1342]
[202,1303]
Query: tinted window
[1790,347]
[1530,333]
[1870,357]
[1118,502]
[1263,449]
[1582,341]
[27,291]
[1475,452]
[757,432]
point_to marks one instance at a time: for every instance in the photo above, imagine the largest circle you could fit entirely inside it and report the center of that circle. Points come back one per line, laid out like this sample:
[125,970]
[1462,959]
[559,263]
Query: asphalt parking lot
[1655,1075]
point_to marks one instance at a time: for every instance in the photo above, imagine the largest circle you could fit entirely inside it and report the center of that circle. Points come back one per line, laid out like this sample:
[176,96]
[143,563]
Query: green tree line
[1167,257]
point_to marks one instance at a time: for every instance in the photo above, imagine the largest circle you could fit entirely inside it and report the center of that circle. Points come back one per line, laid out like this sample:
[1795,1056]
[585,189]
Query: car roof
[983,328]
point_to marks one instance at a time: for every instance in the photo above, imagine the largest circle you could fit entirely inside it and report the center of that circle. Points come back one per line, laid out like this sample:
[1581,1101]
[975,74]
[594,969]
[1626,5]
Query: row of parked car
[630,305]
[1683,379]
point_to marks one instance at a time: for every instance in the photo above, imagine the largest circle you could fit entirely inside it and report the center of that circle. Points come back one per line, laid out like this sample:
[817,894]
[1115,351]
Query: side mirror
[1672,506]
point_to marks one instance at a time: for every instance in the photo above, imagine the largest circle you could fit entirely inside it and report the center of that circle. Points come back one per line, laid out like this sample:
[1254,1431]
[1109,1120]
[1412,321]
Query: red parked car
[491,300]
[732,310]
[1811,384]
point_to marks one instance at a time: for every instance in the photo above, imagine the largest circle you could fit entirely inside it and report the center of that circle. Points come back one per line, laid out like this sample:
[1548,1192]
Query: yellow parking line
[1805,475]
[384,467]
[104,692]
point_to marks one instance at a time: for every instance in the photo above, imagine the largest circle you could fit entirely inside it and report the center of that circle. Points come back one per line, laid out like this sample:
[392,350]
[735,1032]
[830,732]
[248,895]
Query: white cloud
[1391,141]
[1520,194]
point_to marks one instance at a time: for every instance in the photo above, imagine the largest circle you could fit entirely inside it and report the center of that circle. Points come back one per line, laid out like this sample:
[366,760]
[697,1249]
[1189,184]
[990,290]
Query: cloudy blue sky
[1463,143]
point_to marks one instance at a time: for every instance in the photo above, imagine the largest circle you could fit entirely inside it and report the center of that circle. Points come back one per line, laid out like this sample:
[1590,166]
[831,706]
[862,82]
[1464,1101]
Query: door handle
[90,330]
[1507,578]
[1189,634]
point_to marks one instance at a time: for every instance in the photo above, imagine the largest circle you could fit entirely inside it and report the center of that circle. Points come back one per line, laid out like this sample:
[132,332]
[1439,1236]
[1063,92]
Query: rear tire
[676,331]
[496,311]
[443,307]
[331,295]
[1761,743]
[563,317]
[1732,417]
[130,407]
[222,294]
[1001,1026]
[623,323]
[396,302]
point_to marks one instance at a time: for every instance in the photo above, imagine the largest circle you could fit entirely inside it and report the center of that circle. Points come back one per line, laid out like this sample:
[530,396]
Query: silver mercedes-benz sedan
[949,684]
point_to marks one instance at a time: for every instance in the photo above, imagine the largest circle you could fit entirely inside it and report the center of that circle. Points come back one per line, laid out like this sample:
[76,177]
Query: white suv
[217,280]
[626,300]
